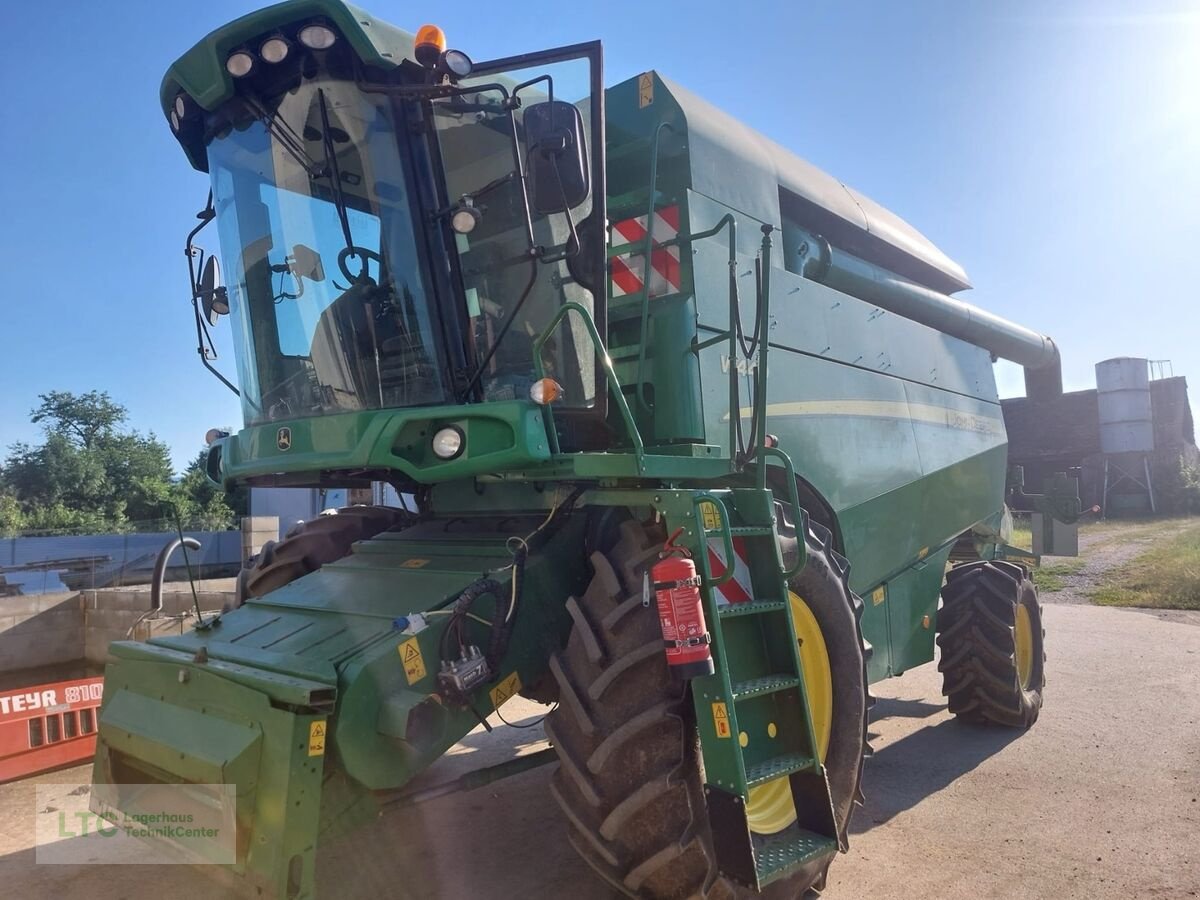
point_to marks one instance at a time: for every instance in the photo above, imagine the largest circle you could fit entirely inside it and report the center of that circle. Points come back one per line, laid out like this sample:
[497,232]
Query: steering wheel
[363,276]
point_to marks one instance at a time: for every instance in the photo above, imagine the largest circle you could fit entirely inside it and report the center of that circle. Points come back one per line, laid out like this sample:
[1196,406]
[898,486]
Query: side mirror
[556,154]
[213,296]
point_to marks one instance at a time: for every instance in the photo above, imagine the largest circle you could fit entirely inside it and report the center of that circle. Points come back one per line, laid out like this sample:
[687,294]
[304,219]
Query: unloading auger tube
[1007,340]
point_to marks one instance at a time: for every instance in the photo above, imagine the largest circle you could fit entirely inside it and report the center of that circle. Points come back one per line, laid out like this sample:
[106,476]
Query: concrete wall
[108,616]
[40,630]
[52,629]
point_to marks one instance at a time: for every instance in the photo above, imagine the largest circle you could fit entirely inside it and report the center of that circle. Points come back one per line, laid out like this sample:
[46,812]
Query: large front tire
[310,545]
[630,779]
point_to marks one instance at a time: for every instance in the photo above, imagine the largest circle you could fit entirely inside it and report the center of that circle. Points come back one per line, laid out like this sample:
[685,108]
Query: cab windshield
[330,307]
[351,289]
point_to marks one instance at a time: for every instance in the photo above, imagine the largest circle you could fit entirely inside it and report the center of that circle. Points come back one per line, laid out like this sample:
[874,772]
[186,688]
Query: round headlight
[239,64]
[317,37]
[274,50]
[174,120]
[448,443]
[457,63]
[180,106]
[465,218]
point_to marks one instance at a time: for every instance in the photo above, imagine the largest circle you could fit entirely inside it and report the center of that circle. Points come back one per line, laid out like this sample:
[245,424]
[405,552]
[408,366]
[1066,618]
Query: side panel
[896,424]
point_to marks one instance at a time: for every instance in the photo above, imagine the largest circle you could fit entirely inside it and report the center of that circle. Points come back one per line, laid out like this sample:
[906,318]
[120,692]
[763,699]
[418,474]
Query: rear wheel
[630,780]
[991,636]
[312,544]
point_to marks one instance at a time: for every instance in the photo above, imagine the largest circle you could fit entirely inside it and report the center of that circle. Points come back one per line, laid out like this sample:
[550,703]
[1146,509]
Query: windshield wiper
[287,138]
[293,145]
[334,175]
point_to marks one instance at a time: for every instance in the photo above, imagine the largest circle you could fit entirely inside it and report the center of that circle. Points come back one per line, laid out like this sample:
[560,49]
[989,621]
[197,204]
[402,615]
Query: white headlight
[274,50]
[180,106]
[174,120]
[465,219]
[239,64]
[448,443]
[317,37]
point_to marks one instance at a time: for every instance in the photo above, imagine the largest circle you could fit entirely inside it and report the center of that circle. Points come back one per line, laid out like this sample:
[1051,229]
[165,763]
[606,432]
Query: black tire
[977,633]
[312,544]
[630,779]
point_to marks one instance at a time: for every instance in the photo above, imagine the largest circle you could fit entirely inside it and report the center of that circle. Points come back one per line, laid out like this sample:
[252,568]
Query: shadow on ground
[902,774]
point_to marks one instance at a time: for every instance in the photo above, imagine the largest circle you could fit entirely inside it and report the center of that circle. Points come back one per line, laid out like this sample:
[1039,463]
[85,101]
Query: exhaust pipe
[160,570]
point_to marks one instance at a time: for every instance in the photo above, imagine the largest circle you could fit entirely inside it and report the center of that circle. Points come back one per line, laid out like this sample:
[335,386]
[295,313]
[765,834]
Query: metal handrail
[726,538]
[648,251]
[610,375]
[794,498]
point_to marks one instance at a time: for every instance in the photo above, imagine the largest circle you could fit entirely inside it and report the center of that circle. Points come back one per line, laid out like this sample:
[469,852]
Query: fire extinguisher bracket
[686,640]
[690,642]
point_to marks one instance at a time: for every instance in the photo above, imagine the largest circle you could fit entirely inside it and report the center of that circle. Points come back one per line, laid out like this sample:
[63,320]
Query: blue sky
[1052,149]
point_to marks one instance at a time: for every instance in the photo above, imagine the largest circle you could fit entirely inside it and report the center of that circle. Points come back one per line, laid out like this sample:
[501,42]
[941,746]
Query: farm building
[1132,438]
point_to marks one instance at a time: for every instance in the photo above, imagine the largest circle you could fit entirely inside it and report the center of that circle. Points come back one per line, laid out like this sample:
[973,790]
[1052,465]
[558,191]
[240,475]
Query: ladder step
[777,767]
[754,607]
[753,531]
[767,684]
[778,855]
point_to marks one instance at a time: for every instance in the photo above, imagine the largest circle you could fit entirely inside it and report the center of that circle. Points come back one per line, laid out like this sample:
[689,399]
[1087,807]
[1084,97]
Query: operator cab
[403,237]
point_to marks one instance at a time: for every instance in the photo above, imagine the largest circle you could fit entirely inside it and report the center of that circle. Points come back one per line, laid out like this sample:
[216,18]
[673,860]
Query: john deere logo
[283,440]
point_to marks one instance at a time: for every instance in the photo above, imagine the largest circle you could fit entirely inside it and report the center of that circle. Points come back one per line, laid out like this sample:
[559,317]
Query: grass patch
[1167,576]
[1022,534]
[1052,578]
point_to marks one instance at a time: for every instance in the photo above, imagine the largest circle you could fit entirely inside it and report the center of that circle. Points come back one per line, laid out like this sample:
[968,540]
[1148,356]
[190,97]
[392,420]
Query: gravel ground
[1102,550]
[1100,800]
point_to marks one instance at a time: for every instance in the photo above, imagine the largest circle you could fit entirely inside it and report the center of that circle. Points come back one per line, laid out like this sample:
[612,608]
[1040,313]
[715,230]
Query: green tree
[84,418]
[12,519]
[201,501]
[89,474]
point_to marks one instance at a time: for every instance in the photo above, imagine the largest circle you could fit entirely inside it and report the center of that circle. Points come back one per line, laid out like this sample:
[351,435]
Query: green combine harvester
[691,430]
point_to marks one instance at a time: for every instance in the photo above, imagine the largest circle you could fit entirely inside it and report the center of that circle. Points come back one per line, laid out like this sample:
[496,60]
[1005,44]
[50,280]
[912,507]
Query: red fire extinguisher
[681,613]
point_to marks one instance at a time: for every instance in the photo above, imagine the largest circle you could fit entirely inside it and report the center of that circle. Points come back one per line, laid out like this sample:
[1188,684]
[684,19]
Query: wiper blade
[287,138]
[334,175]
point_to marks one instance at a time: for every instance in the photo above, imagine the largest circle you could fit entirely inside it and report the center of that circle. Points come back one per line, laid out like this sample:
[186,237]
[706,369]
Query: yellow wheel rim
[769,807]
[1024,646]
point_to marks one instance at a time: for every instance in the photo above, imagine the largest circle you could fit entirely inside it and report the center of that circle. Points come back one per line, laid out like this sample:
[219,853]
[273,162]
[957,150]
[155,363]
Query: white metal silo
[1126,432]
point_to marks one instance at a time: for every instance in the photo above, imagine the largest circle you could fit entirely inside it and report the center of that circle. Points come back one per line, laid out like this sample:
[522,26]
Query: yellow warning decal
[316,738]
[505,689]
[414,663]
[645,89]
[878,595]
[924,552]
[710,516]
[414,563]
[721,720]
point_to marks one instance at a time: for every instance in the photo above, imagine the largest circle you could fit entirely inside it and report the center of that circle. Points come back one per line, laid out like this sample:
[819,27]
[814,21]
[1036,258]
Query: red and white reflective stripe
[739,588]
[629,269]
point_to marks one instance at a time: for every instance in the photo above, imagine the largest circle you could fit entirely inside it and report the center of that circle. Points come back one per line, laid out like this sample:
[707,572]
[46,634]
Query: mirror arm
[572,245]
[193,253]
[201,333]
[190,249]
